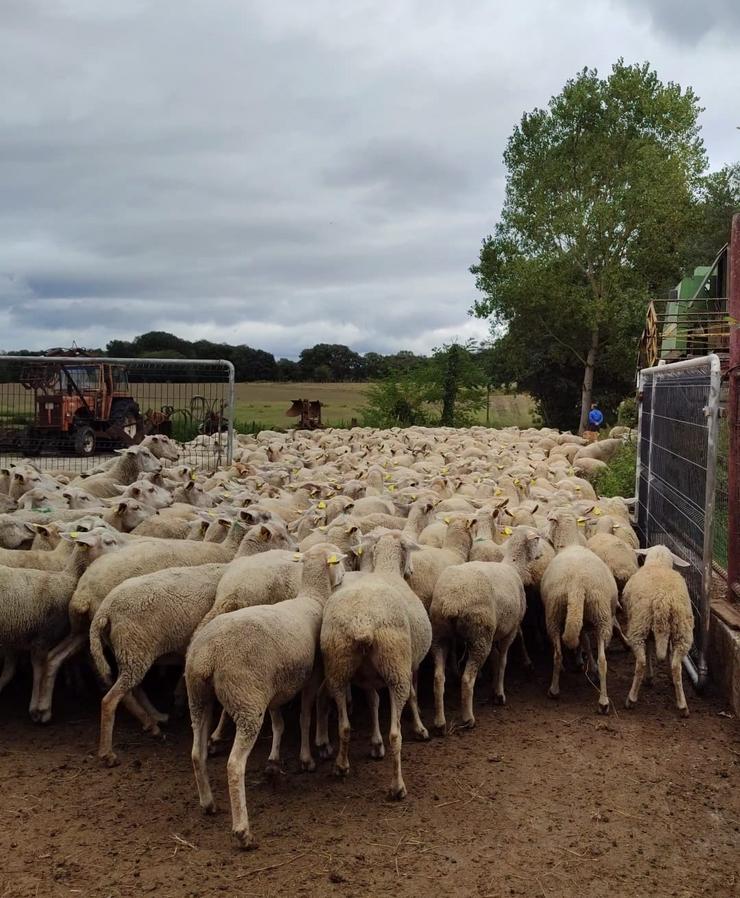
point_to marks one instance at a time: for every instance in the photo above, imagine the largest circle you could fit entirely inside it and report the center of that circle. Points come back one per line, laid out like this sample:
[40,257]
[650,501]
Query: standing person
[595,420]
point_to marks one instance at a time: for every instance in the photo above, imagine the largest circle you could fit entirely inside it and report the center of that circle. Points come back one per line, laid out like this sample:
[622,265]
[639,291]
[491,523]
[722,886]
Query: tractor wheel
[84,440]
[29,445]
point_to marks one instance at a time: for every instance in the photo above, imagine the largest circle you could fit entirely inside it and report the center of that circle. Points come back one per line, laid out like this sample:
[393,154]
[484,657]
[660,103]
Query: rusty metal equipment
[308,411]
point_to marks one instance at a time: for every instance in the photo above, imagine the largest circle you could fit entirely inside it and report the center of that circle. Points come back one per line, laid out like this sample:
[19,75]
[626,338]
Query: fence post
[733,463]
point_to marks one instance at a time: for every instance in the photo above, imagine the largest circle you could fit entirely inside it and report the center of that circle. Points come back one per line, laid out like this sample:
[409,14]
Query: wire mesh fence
[677,475]
[70,412]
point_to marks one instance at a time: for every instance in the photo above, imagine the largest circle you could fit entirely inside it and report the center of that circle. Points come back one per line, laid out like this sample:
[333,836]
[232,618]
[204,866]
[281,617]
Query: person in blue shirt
[595,417]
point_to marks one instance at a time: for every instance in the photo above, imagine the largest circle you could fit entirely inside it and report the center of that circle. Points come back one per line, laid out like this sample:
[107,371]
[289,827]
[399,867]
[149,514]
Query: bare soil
[542,798]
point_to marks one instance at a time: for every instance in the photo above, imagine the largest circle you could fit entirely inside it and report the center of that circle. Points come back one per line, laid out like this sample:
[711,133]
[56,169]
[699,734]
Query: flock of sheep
[321,560]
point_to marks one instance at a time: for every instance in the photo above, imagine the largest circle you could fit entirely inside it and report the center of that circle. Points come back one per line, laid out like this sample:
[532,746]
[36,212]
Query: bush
[627,412]
[619,478]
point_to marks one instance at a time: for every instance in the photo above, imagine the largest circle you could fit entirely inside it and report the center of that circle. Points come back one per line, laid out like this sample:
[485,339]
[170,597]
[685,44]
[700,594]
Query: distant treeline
[324,362]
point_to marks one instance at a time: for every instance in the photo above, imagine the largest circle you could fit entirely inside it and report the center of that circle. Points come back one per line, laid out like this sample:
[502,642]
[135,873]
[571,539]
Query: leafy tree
[599,197]
[341,362]
[287,370]
[718,200]
[397,401]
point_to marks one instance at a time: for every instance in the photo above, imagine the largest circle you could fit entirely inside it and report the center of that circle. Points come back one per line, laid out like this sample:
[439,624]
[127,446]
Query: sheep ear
[190,485]
[265,532]
[642,552]
[679,562]
[30,527]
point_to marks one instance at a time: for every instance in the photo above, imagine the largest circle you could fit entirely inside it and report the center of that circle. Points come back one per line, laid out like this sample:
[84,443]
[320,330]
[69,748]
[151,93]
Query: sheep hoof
[648,681]
[397,793]
[499,699]
[325,751]
[440,729]
[377,751]
[39,716]
[684,711]
[341,771]
[629,704]
[110,759]
[308,766]
[153,730]
[273,768]
[422,735]
[209,809]
[604,709]
[467,724]
[553,695]
[245,840]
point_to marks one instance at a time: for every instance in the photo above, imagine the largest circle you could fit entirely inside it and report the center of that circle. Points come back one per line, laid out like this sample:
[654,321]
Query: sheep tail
[661,630]
[574,616]
[99,624]
[363,634]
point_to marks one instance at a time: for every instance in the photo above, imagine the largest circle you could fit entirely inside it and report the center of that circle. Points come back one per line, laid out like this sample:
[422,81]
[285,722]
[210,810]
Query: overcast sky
[283,173]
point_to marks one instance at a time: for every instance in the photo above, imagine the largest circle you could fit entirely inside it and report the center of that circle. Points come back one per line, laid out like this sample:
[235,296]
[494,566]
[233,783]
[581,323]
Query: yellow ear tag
[581,522]
[323,528]
[296,470]
[387,477]
[192,477]
[517,482]
[500,467]
[359,550]
[321,505]
[413,498]
[571,471]
[497,492]
[508,531]
[391,488]
[447,520]
[298,557]
[443,470]
[74,534]
[597,512]
[332,559]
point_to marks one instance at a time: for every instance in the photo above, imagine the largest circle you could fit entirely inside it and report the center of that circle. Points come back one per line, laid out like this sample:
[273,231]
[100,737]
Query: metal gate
[191,400]
[676,476]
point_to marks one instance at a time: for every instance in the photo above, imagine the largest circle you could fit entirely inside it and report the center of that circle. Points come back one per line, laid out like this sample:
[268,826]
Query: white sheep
[35,606]
[140,620]
[481,603]
[252,661]
[659,615]
[577,589]
[376,631]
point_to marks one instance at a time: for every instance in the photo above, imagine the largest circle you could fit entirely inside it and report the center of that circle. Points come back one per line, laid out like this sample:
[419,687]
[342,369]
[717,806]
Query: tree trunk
[588,381]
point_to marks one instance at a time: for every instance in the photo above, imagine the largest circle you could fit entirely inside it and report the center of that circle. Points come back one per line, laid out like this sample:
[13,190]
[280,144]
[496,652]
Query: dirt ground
[542,798]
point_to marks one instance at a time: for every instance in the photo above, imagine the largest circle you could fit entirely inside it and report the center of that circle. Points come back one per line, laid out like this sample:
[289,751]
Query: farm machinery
[79,405]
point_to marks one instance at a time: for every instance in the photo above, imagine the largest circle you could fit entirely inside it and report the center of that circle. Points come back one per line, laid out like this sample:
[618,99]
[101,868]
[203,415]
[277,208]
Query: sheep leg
[650,663]
[557,664]
[69,646]
[477,654]
[201,714]
[603,697]
[499,696]
[278,728]
[38,658]
[323,745]
[308,695]
[677,656]
[399,693]
[420,731]
[130,703]
[526,660]
[439,651]
[10,660]
[218,736]
[639,651]
[124,685]
[247,732]
[341,764]
[377,749]
[143,700]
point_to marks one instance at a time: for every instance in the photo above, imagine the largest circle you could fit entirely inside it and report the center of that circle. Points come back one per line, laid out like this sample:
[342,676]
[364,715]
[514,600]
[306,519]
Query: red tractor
[79,406]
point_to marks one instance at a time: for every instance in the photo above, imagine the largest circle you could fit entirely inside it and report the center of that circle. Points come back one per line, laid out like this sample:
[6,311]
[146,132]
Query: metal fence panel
[676,475]
[191,400]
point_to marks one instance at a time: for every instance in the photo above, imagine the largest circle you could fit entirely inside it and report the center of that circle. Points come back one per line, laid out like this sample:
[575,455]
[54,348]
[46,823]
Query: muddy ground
[542,799]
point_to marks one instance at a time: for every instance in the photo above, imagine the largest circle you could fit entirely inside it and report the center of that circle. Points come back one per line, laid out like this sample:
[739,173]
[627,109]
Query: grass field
[266,403]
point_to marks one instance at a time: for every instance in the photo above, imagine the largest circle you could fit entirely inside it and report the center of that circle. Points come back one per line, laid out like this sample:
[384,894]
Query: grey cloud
[276,173]
[688,21]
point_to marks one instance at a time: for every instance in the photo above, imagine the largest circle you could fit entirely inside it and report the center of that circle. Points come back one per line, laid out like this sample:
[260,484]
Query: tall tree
[718,200]
[599,196]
